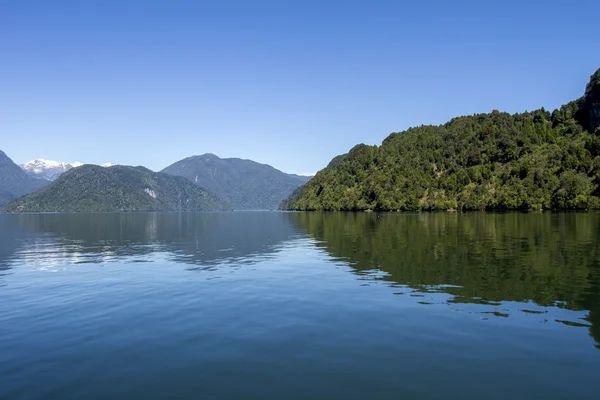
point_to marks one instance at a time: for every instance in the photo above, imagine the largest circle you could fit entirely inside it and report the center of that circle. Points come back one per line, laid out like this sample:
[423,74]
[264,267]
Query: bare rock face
[592,101]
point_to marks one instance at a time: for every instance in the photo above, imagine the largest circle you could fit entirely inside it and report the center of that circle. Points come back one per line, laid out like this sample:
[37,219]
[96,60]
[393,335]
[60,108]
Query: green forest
[538,160]
[243,184]
[91,188]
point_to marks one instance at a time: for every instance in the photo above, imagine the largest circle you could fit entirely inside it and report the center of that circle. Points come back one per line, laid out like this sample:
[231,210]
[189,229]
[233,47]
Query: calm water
[300,306]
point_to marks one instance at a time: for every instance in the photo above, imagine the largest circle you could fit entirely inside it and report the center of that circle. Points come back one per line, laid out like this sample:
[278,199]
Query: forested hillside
[531,160]
[245,184]
[91,188]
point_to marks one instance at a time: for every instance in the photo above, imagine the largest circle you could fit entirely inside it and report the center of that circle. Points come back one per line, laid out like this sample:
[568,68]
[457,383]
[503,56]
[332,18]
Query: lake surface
[269,305]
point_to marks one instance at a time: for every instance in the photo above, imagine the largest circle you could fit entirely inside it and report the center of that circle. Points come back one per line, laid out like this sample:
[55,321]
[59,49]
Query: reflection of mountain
[195,238]
[8,244]
[217,237]
[551,259]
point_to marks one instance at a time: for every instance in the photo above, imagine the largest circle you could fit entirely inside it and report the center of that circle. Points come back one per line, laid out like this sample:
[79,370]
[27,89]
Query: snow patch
[48,169]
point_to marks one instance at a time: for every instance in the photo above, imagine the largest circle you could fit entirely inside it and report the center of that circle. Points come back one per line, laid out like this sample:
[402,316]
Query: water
[250,305]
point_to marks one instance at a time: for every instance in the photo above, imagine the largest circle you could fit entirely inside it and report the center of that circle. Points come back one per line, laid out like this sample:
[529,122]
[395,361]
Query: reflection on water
[516,262]
[202,239]
[306,305]
[529,263]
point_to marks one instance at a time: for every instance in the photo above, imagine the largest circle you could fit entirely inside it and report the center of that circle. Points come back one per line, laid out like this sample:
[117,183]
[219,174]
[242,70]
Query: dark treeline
[532,160]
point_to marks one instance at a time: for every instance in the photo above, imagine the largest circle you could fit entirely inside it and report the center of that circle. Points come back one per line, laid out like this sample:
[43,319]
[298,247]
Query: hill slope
[532,160]
[15,182]
[245,184]
[91,188]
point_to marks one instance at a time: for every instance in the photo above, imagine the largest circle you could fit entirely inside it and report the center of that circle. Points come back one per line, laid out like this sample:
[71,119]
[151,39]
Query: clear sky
[288,83]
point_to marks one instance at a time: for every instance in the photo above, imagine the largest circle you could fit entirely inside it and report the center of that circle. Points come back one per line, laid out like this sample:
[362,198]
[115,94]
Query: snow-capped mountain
[48,169]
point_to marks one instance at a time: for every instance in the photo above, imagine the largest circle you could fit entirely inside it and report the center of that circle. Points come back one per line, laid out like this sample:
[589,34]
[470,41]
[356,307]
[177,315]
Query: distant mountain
[91,188]
[14,182]
[48,169]
[244,184]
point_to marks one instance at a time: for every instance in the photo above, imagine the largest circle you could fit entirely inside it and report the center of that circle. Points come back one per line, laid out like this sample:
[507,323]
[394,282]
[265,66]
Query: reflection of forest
[195,238]
[546,258]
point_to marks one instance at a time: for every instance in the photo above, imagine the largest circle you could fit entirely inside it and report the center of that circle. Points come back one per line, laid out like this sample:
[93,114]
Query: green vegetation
[15,182]
[533,160]
[245,184]
[91,188]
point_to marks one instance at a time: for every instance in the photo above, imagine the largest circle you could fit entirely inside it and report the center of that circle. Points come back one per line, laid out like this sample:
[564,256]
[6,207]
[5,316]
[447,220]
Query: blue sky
[288,83]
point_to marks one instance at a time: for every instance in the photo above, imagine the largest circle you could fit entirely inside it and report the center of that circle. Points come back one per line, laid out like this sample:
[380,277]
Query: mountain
[50,170]
[47,169]
[245,184]
[14,182]
[532,160]
[91,188]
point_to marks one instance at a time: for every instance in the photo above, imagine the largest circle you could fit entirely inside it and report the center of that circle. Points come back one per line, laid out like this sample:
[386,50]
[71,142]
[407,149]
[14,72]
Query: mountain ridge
[15,182]
[50,169]
[92,188]
[243,183]
[47,169]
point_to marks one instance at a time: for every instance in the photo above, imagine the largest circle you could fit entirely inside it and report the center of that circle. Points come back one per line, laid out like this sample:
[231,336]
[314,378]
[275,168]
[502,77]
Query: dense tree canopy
[531,160]
[92,188]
